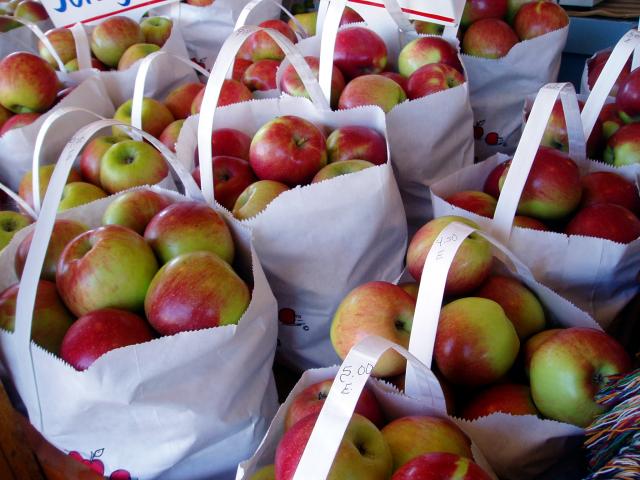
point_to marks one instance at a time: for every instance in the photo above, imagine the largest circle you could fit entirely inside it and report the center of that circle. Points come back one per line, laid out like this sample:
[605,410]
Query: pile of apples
[494,348]
[175,256]
[30,10]
[556,198]
[373,448]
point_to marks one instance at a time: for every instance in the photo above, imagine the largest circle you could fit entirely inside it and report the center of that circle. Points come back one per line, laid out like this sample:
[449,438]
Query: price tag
[437,11]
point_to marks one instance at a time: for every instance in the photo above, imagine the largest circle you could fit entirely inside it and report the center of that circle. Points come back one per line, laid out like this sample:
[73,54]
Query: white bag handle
[141,79]
[527,148]
[19,201]
[340,404]
[249,7]
[83,49]
[223,63]
[629,43]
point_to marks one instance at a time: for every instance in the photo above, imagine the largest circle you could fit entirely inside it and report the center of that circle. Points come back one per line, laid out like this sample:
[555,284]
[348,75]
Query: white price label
[64,13]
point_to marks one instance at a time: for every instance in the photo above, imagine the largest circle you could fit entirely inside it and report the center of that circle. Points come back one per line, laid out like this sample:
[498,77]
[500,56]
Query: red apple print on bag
[478,131]
[120,475]
[287,316]
[493,139]
[93,463]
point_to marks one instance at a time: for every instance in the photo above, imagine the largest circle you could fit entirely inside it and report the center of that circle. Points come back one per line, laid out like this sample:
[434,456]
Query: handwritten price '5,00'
[79,3]
[347,373]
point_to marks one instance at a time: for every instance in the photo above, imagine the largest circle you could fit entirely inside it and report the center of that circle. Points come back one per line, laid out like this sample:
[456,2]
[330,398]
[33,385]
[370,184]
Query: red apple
[239,67]
[425,51]
[441,466]
[538,18]
[337,169]
[25,189]
[261,75]
[411,288]
[623,148]
[356,143]
[260,46]
[489,38]
[533,344]
[475,10]
[27,83]
[135,209]
[30,10]
[231,175]
[18,121]
[479,203]
[595,66]
[170,134]
[179,100]
[232,92]
[230,142]
[359,51]
[73,66]
[556,136]
[528,222]
[91,157]
[505,398]
[112,37]
[398,78]
[6,115]
[155,116]
[62,41]
[609,187]
[255,198]
[605,220]
[349,15]
[290,82]
[432,78]
[611,121]
[491,184]
[372,90]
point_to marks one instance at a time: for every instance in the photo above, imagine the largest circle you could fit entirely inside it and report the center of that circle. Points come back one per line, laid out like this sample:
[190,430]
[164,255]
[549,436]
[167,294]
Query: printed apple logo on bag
[287,316]
[95,464]
[492,138]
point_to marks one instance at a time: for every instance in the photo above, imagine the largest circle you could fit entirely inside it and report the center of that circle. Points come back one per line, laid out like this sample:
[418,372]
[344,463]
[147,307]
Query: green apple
[136,52]
[10,223]
[340,168]
[256,197]
[156,30]
[155,117]
[533,344]
[131,163]
[308,22]
[265,473]
[91,157]
[112,37]
[135,209]
[75,194]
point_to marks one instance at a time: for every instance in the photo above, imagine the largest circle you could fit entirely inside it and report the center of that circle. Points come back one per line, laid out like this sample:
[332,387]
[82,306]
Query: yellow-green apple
[256,197]
[99,332]
[471,265]
[73,66]
[476,344]
[520,304]
[62,41]
[91,156]
[260,46]
[553,188]
[503,398]
[623,148]
[291,84]
[194,291]
[432,78]
[475,10]
[51,319]
[350,16]
[10,223]
[265,473]
[179,100]
[240,66]
[156,30]
[374,308]
[411,288]
[492,183]
[362,454]
[538,18]
[427,50]
[605,220]
[288,149]
[359,51]
[27,83]
[410,437]
[611,121]
[75,194]
[311,399]
[356,142]
[18,121]
[396,77]
[308,22]
[232,91]
[170,134]
[512,9]
[25,189]
[186,227]
[528,222]
[569,368]
[5,115]
[595,66]
[533,344]
[30,10]
[473,201]
[337,169]
[609,187]
[231,176]
[261,75]
[489,38]
[93,265]
[64,230]
[129,164]
[428,28]
[230,142]
[155,116]
[135,209]
[136,52]
[441,466]
[372,90]
[112,37]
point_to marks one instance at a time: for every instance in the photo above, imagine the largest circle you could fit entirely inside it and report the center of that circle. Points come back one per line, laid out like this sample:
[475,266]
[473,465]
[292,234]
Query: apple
[169,136]
[136,52]
[291,84]
[156,30]
[356,143]
[569,369]
[131,163]
[528,222]
[92,154]
[73,66]
[372,90]
[610,119]
[411,288]
[135,209]
[113,36]
[605,220]
[30,10]
[476,344]
[10,223]
[51,319]
[7,24]
[194,291]
[155,116]
[533,344]
[609,187]
[200,3]
[99,332]
[471,264]
[27,83]
[441,466]
[513,6]
[265,473]
[231,176]
[230,142]
[595,66]
[489,38]
[396,77]
[504,398]
[359,51]
[261,75]
[255,198]
[75,194]
[428,28]
[93,267]
[362,454]
[374,308]
[260,45]
[340,168]
[25,189]
[308,22]
[180,99]
[623,148]
[5,115]
[520,304]
[186,227]
[18,121]
[553,188]
[539,17]
[475,10]
[311,400]
[232,91]
[240,66]
[349,15]
[425,51]
[288,149]
[432,78]
[410,437]
[479,203]
[63,43]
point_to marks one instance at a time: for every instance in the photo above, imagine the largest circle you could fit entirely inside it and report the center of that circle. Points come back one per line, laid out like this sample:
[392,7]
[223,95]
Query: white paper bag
[20,39]
[598,275]
[190,405]
[318,241]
